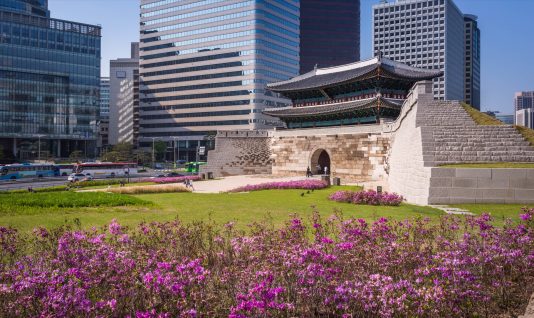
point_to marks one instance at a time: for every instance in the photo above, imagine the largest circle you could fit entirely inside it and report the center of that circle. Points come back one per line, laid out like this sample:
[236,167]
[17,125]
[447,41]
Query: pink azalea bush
[162,180]
[369,197]
[461,267]
[310,184]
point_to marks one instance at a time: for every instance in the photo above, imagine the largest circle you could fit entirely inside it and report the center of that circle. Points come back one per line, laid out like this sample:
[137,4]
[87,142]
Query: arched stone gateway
[319,160]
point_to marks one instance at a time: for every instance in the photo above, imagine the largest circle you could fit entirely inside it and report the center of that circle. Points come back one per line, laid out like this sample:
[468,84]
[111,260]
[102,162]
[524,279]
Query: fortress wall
[353,156]
[240,153]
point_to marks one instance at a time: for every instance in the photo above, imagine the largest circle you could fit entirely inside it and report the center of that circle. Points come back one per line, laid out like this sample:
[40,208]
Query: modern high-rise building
[472,61]
[329,33]
[123,105]
[524,109]
[103,122]
[524,100]
[426,34]
[49,82]
[204,66]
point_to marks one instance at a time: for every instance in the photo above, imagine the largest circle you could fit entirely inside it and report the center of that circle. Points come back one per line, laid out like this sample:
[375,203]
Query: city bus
[106,169]
[18,171]
[65,169]
[193,167]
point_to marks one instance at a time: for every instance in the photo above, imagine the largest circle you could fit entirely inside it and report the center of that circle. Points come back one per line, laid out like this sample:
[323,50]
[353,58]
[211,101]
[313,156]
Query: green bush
[33,202]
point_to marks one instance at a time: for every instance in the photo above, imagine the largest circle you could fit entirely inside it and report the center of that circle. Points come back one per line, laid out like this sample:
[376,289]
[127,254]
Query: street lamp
[153,156]
[174,138]
[39,147]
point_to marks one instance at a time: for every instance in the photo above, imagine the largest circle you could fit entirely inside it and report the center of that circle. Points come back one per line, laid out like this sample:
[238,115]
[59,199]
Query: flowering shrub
[171,179]
[310,184]
[462,267]
[369,197]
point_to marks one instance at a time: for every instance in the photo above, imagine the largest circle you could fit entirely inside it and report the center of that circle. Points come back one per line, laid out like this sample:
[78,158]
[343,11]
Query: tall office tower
[49,82]
[427,34]
[103,127]
[472,61]
[123,105]
[205,64]
[524,109]
[329,33]
[524,100]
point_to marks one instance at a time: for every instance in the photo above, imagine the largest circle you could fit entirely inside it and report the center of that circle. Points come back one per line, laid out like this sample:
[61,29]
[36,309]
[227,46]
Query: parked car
[75,177]
[158,166]
[87,178]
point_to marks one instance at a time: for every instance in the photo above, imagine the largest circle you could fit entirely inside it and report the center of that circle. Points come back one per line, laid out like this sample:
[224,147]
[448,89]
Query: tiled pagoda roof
[333,109]
[332,76]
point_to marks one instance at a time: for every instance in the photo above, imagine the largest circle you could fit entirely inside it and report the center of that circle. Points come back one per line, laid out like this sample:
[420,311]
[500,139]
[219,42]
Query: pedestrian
[122,183]
[191,185]
[308,172]
[30,189]
[325,170]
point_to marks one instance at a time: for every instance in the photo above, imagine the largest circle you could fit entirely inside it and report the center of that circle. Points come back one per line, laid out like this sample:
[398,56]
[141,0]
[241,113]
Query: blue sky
[507,28]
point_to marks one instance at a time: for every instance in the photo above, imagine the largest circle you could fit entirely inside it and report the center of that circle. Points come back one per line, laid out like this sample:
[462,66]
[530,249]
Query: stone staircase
[449,135]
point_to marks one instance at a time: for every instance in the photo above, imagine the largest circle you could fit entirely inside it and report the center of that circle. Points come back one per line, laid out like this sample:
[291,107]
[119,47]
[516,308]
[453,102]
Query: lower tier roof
[337,109]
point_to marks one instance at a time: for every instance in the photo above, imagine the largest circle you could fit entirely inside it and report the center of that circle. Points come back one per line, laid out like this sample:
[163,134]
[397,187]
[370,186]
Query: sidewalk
[232,182]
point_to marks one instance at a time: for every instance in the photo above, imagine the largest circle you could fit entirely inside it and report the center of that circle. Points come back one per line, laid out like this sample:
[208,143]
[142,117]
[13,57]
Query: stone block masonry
[240,153]
[354,156]
[481,185]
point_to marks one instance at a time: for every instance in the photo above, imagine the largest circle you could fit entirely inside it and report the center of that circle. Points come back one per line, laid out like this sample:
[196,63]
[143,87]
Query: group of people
[309,173]
[189,184]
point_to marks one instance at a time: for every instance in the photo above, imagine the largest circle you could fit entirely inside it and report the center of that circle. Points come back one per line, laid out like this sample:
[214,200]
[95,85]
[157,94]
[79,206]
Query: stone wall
[481,185]
[240,153]
[354,155]
[407,174]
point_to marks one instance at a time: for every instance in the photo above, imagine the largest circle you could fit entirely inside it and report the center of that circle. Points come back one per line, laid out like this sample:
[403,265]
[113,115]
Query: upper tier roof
[332,76]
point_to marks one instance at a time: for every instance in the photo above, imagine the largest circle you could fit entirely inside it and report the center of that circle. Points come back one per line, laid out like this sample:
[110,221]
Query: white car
[75,177]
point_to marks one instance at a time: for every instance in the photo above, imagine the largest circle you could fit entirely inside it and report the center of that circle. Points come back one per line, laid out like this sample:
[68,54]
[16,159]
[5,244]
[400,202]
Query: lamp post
[39,147]
[174,138]
[153,156]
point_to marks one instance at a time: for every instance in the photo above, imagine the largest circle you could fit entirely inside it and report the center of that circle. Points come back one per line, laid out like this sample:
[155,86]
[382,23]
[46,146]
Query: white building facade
[426,34]
[122,108]
[204,66]
[524,109]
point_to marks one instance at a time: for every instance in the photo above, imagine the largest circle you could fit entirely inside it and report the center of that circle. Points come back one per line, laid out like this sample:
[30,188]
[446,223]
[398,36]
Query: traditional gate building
[336,117]
[377,120]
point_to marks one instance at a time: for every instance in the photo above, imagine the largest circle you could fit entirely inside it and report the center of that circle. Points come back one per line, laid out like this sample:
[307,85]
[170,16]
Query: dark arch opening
[319,161]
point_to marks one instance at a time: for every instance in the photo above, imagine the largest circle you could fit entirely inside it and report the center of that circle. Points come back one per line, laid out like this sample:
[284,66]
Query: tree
[160,147]
[120,152]
[143,157]
[76,155]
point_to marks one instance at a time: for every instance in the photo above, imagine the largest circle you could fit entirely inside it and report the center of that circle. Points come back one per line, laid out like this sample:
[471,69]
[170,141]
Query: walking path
[232,182]
[450,210]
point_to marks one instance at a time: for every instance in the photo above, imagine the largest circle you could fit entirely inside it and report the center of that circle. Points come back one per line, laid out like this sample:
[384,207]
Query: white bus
[107,169]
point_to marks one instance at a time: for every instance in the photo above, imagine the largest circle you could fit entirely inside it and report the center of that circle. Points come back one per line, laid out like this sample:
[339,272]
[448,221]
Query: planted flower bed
[310,184]
[369,197]
[458,268]
[163,180]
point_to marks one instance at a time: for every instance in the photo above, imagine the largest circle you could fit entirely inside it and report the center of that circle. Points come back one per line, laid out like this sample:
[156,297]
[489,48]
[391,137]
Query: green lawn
[498,211]
[276,206]
[244,208]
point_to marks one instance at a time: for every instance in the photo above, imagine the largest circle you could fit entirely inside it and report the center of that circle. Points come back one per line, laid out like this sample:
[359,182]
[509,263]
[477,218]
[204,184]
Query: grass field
[275,206]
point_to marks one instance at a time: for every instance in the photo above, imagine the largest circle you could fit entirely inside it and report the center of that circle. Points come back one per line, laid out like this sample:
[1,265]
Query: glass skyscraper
[204,66]
[49,82]
[329,33]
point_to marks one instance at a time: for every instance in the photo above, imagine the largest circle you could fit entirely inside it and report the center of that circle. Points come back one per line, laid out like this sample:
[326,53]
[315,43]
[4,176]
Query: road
[44,182]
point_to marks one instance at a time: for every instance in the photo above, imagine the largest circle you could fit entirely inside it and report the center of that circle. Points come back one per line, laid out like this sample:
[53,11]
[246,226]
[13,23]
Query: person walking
[325,170]
[308,172]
